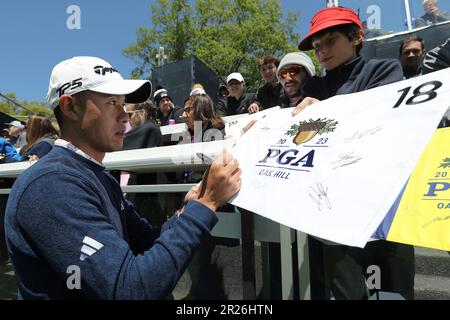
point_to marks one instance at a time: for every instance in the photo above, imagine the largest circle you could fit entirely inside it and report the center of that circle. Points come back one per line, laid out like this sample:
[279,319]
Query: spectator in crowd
[212,261]
[336,36]
[197,89]
[269,94]
[41,136]
[223,92]
[432,14]
[142,113]
[238,100]
[371,33]
[144,134]
[166,110]
[200,109]
[7,152]
[66,216]
[15,129]
[412,51]
[22,139]
[293,71]
[438,59]
[5,134]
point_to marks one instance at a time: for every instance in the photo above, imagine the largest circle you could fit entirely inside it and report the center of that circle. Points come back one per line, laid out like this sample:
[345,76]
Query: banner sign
[335,169]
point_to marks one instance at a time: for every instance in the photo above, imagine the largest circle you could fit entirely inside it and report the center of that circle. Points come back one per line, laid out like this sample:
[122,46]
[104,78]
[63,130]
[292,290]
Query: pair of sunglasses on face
[291,71]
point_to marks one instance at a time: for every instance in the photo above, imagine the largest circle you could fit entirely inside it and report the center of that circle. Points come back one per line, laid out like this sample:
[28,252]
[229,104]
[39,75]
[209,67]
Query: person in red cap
[336,36]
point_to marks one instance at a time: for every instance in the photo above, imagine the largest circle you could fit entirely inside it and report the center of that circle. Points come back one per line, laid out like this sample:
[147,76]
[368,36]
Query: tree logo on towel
[306,130]
[445,163]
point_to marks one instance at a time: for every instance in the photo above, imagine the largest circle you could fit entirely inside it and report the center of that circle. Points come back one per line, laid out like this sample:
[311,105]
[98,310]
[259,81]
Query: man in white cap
[15,130]
[70,232]
[238,100]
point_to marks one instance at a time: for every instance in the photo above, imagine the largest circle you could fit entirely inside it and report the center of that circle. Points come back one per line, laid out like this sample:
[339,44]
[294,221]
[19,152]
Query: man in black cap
[166,109]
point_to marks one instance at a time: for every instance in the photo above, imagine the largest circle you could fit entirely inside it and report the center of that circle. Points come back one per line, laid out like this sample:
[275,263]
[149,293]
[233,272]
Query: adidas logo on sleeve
[90,247]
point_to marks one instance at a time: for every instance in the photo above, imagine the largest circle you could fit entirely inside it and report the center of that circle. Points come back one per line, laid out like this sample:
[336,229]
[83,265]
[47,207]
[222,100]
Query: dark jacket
[354,76]
[232,106]
[434,60]
[147,135]
[437,58]
[428,19]
[174,114]
[40,148]
[269,96]
[66,213]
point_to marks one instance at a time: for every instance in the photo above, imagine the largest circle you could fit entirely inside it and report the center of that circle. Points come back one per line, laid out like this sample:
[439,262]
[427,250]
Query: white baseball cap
[235,76]
[90,73]
[16,123]
[197,91]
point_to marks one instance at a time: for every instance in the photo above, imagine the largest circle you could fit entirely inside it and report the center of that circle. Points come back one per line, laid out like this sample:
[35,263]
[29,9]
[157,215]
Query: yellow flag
[423,216]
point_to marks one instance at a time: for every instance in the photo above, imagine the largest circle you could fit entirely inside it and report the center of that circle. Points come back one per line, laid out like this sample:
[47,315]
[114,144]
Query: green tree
[28,108]
[228,35]
[7,106]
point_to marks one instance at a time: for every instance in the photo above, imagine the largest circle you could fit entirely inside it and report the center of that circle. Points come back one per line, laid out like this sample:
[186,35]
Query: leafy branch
[330,126]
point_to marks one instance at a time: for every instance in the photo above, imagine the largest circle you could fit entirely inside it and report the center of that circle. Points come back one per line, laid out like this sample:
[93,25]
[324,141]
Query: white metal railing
[184,157]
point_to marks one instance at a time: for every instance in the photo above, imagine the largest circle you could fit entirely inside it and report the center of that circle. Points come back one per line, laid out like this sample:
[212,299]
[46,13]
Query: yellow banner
[423,216]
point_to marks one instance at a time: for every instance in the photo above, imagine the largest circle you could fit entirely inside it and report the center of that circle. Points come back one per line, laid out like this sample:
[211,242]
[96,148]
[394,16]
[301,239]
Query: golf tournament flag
[421,214]
[337,168]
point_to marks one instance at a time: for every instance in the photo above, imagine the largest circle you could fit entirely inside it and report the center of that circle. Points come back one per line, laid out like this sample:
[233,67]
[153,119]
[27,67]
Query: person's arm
[312,92]
[419,22]
[61,214]
[437,58]
[257,105]
[254,107]
[302,105]
[62,221]
[11,154]
[39,149]
[222,107]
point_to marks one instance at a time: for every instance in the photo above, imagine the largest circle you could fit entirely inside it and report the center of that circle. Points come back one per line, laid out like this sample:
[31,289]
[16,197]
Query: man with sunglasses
[336,36]
[293,71]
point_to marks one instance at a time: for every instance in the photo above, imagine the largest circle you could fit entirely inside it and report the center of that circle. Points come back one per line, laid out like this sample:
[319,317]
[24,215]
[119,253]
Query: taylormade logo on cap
[90,73]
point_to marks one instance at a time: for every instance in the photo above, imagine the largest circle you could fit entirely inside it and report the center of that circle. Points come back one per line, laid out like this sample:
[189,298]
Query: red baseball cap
[326,18]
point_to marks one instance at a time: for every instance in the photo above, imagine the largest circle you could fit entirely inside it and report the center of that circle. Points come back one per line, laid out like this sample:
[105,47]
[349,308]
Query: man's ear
[359,38]
[67,106]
